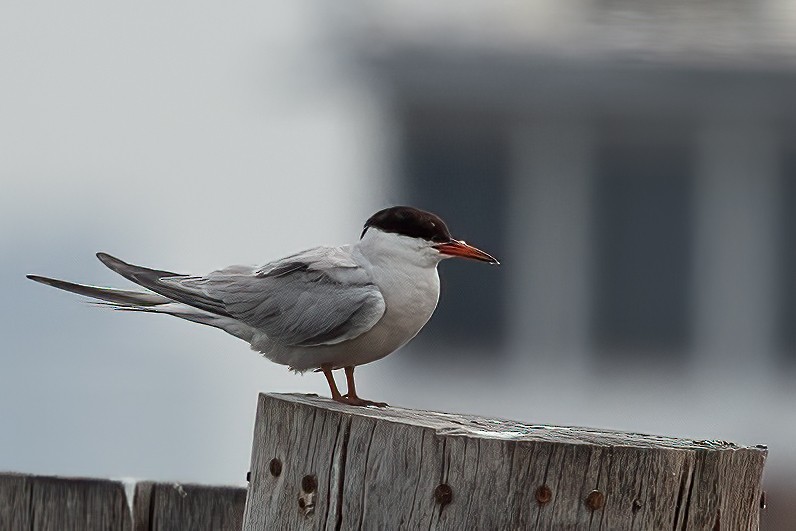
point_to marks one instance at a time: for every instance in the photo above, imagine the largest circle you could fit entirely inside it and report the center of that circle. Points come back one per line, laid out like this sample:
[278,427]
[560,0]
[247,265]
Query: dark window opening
[642,244]
[787,313]
[455,164]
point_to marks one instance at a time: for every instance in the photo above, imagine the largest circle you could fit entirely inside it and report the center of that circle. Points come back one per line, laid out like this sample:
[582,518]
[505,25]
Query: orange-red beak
[463,250]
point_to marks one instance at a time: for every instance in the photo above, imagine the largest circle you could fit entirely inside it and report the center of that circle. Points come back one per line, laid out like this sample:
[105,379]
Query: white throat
[396,250]
[405,271]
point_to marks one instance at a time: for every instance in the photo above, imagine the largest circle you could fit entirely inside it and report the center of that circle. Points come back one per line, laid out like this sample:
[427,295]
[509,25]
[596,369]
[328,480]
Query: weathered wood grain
[317,464]
[38,503]
[43,503]
[170,506]
[15,497]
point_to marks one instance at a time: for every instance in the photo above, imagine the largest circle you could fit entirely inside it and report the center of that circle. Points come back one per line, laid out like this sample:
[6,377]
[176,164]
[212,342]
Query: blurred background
[633,166]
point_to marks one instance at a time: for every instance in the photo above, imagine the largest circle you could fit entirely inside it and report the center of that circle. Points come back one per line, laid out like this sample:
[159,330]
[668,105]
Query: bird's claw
[356,401]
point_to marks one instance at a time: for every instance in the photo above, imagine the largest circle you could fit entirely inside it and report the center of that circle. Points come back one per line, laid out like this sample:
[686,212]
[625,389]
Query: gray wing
[318,297]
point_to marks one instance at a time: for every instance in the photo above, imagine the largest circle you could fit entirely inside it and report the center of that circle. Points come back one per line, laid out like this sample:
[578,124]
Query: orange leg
[351,397]
[352,392]
[349,378]
[336,396]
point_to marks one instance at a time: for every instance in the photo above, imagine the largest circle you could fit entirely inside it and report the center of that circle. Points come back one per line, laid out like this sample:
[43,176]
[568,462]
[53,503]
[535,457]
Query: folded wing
[319,297]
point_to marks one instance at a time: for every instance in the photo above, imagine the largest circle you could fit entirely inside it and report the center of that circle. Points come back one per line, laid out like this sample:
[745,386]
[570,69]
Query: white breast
[405,271]
[411,296]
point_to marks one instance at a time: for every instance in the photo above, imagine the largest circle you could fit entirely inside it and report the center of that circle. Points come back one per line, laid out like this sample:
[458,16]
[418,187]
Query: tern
[322,309]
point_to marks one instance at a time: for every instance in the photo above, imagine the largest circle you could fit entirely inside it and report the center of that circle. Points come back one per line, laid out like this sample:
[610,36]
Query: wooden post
[167,506]
[317,464]
[60,504]
[42,503]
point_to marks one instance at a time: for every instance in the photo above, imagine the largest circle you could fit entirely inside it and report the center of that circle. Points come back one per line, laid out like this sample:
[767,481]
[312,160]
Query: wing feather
[303,300]
[318,297]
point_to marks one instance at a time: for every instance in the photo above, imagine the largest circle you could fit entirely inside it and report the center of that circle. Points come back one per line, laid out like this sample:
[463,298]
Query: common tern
[322,309]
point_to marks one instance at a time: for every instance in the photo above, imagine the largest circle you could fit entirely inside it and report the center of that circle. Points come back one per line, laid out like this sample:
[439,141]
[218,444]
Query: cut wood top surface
[491,428]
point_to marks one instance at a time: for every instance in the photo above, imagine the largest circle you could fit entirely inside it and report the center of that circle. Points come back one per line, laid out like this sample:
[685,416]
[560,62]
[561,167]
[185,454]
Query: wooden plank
[168,506]
[15,496]
[41,503]
[317,464]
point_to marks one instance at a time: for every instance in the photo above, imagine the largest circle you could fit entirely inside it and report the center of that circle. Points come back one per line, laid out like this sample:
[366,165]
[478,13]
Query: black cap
[409,221]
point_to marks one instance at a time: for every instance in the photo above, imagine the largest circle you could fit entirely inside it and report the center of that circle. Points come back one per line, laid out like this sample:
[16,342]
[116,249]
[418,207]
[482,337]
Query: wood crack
[419,474]
[329,476]
[31,512]
[688,499]
[346,424]
[363,497]
[686,483]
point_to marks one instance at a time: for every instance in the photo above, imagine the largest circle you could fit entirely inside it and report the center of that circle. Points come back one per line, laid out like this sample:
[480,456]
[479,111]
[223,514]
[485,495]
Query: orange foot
[356,401]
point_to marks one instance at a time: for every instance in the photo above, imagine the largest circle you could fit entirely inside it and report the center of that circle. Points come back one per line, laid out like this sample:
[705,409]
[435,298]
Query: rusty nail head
[443,494]
[309,483]
[544,494]
[275,466]
[595,500]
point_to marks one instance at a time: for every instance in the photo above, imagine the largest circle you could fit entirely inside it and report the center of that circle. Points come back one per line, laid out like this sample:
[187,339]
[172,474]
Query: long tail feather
[132,272]
[116,296]
[137,301]
[152,279]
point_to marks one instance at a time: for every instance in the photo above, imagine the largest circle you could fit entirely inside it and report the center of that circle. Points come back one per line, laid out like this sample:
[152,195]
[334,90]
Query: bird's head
[416,235]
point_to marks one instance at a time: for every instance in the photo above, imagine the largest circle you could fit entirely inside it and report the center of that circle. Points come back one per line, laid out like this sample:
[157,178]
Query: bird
[322,309]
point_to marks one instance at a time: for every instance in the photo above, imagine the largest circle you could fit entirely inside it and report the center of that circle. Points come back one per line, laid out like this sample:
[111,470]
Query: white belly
[410,301]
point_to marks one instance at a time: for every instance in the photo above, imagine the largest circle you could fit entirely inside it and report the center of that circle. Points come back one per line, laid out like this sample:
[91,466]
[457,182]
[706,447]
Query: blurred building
[635,169]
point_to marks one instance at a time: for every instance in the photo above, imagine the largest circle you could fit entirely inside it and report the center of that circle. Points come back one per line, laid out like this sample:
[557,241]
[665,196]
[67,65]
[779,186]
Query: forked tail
[146,301]
[119,297]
